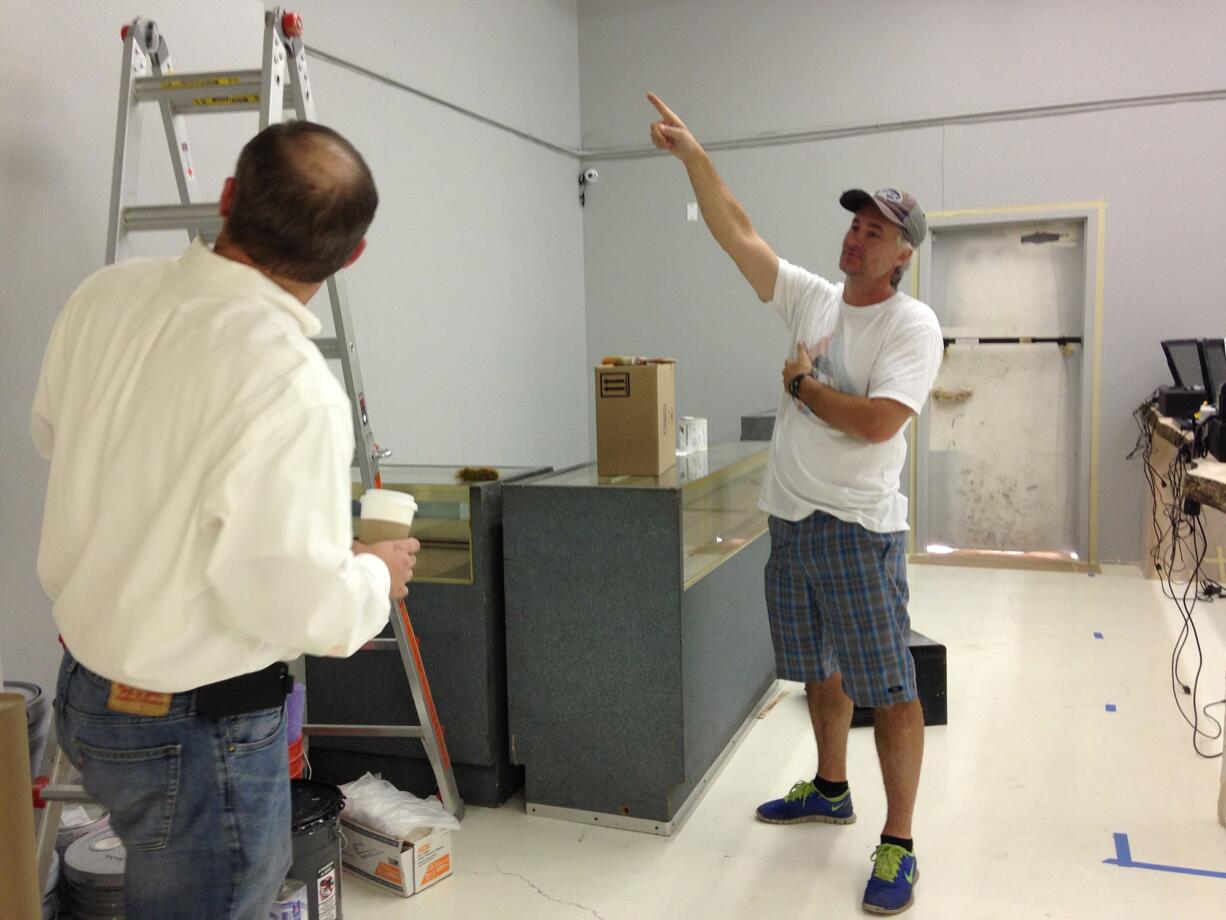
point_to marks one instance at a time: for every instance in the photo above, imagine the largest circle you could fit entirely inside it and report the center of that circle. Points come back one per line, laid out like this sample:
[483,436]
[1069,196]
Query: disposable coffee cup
[386,515]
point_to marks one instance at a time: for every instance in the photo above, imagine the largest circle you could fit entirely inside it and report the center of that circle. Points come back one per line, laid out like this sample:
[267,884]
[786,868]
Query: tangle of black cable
[1178,528]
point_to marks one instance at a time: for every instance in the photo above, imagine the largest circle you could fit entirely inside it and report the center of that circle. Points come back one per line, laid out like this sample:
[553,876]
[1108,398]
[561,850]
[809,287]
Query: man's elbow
[880,430]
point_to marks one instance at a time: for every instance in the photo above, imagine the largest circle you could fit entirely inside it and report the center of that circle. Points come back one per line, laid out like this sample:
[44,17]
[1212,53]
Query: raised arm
[724,216]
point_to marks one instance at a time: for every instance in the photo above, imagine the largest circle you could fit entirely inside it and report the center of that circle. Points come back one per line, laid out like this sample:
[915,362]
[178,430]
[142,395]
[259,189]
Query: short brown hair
[291,218]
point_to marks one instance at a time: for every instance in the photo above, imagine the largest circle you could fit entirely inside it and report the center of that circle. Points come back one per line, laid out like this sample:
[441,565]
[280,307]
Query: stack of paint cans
[38,719]
[317,846]
[295,708]
[93,877]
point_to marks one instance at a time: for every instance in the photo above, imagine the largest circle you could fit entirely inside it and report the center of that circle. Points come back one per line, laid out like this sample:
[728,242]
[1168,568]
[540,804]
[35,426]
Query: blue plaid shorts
[836,596]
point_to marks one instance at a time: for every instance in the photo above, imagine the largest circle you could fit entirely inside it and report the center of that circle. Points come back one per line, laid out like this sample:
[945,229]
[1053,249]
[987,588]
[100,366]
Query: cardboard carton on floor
[636,420]
[403,866]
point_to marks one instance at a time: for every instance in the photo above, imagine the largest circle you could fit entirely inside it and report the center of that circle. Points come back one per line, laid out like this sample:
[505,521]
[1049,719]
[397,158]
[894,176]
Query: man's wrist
[795,384]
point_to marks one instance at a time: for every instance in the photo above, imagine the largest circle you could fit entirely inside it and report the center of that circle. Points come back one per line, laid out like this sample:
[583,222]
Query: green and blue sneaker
[895,873]
[805,803]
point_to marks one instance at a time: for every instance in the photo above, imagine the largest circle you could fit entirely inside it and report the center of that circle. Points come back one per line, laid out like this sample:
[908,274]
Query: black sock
[829,788]
[906,843]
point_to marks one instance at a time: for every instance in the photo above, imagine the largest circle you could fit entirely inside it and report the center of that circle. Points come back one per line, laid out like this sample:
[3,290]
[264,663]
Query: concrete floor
[1022,792]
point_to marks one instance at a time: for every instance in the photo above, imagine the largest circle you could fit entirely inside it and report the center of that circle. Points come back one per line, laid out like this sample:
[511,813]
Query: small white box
[403,866]
[691,433]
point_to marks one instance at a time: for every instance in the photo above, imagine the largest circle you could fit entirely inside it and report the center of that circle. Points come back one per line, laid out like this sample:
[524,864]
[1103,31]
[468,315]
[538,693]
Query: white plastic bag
[376,803]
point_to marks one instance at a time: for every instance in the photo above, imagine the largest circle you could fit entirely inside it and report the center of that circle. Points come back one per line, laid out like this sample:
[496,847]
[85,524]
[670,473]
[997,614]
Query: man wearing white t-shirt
[197,529]
[863,361]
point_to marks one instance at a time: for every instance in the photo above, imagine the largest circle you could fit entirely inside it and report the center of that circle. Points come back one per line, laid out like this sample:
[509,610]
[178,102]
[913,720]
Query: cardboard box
[403,866]
[636,419]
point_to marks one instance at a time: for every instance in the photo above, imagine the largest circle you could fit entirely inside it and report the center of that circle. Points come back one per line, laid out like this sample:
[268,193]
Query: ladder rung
[329,348]
[208,93]
[365,731]
[203,217]
[380,645]
[67,793]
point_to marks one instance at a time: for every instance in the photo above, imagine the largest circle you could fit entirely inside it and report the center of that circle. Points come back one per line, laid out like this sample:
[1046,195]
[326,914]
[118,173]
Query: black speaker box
[929,659]
[1179,402]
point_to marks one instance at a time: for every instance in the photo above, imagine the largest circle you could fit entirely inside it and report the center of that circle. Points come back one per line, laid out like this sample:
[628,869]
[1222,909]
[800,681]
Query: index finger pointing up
[664,110]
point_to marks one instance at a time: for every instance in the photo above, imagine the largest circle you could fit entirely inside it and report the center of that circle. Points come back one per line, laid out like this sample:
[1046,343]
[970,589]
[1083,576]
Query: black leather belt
[266,689]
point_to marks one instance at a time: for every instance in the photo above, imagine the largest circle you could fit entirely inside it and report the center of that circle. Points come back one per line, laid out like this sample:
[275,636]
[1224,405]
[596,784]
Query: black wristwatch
[794,385]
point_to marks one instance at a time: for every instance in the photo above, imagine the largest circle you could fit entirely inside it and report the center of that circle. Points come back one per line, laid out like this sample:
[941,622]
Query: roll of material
[19,869]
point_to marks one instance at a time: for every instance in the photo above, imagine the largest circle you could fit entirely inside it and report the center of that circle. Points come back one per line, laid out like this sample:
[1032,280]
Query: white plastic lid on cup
[389,505]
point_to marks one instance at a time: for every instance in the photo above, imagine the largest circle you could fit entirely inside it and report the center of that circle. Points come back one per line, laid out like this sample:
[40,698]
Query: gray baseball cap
[897,207]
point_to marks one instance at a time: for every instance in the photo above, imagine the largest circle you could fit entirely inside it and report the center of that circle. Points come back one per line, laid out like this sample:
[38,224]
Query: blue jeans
[202,805]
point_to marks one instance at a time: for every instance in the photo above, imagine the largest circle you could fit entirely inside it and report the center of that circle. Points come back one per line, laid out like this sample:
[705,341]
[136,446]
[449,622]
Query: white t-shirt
[197,523]
[891,349]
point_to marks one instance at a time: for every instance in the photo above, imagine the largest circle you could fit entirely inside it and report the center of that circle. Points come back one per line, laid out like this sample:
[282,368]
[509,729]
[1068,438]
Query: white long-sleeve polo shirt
[197,522]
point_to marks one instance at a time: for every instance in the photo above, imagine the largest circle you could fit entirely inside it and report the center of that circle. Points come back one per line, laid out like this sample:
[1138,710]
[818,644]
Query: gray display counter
[637,638]
[759,426]
[456,605]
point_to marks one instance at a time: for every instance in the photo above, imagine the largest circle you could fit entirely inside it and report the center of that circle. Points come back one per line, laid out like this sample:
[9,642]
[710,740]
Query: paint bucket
[38,719]
[296,761]
[77,821]
[93,877]
[317,845]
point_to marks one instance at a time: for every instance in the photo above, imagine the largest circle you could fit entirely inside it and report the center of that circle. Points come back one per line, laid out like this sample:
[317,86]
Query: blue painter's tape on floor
[1123,859]
[1111,707]
[1098,635]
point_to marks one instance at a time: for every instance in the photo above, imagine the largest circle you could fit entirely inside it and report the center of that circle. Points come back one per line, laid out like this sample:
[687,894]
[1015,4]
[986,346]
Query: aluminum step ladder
[280,89]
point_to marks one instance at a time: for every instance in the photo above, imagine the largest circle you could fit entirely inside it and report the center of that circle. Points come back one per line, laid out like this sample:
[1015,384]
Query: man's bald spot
[324,164]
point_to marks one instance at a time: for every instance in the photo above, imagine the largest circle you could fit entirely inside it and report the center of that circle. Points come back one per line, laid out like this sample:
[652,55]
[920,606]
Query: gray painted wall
[734,69]
[468,306]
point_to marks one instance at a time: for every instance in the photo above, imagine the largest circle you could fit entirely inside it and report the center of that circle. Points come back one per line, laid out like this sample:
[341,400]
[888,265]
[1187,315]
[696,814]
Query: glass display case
[456,605]
[443,522]
[637,641]
[719,499]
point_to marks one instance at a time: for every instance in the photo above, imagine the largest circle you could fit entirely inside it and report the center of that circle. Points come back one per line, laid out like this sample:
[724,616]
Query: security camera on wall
[586,178]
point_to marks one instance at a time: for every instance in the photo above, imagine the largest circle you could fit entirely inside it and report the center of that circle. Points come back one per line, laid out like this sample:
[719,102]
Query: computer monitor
[1213,365]
[1183,358]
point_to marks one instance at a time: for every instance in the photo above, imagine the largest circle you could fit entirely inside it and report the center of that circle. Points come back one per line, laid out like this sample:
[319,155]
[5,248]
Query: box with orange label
[403,866]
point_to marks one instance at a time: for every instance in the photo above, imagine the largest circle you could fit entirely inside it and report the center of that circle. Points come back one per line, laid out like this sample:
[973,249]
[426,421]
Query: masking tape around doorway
[1100,278]
[1022,209]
